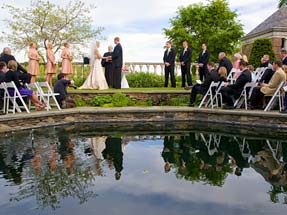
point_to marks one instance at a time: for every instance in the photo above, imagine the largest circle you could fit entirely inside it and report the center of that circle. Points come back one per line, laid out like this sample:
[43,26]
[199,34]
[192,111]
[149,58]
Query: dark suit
[203,58]
[22,73]
[169,70]
[203,88]
[113,151]
[117,57]
[235,90]
[225,62]
[267,75]
[2,77]
[284,61]
[185,57]
[109,70]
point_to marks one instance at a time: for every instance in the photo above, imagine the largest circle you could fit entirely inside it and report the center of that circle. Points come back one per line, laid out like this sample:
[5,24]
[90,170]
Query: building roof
[276,22]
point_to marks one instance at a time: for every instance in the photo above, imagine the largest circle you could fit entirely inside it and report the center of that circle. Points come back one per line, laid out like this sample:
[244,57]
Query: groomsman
[203,59]
[169,62]
[108,65]
[117,58]
[185,61]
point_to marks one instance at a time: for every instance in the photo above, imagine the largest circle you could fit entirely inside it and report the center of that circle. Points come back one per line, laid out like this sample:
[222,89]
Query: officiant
[108,65]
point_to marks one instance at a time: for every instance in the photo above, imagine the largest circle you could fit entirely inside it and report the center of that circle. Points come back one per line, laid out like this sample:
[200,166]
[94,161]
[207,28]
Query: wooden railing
[81,71]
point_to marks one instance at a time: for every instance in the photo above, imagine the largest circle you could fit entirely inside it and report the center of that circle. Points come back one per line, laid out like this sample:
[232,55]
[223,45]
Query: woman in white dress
[124,81]
[96,78]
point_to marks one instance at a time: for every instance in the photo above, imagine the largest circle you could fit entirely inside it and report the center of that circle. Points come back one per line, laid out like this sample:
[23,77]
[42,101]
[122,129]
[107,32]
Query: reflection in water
[53,166]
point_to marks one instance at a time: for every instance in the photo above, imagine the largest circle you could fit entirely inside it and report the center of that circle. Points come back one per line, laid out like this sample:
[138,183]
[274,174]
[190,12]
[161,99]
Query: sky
[139,24]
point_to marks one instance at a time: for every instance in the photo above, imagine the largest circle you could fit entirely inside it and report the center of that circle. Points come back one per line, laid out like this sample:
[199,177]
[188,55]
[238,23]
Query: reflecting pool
[158,169]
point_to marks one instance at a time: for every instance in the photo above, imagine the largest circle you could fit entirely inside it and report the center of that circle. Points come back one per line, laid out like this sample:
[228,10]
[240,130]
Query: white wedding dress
[96,78]
[124,82]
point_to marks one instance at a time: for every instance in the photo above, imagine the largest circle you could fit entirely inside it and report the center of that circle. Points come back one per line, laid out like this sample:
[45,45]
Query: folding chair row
[45,94]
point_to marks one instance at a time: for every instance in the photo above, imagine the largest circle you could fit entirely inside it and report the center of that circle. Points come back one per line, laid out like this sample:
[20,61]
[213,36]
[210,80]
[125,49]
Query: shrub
[81,102]
[259,48]
[118,100]
[121,100]
[144,80]
[101,100]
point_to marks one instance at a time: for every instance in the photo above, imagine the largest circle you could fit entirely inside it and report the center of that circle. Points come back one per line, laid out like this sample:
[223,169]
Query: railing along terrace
[81,70]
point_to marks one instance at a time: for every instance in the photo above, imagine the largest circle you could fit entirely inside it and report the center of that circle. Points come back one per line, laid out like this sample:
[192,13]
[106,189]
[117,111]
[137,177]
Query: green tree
[214,24]
[44,21]
[261,47]
[282,3]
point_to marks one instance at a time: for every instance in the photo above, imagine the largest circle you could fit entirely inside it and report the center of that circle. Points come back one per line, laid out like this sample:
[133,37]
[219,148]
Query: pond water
[158,169]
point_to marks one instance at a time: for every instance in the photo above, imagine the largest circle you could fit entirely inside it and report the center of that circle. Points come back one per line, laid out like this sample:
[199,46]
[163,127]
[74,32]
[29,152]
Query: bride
[96,78]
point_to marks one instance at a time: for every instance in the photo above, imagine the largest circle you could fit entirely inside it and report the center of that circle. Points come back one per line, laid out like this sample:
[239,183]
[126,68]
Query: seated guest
[236,60]
[233,91]
[225,62]
[222,72]
[212,75]
[6,56]
[251,70]
[284,56]
[12,75]
[3,69]
[265,61]
[61,87]
[270,88]
[267,75]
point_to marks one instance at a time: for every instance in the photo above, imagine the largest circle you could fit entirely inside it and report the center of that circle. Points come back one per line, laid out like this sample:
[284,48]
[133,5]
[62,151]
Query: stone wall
[247,119]
[158,98]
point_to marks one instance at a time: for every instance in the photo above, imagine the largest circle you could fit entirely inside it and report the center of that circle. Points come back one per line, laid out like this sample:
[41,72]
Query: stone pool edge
[260,119]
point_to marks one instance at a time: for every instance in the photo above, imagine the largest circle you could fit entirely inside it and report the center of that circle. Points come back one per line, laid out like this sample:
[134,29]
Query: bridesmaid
[34,59]
[51,64]
[67,60]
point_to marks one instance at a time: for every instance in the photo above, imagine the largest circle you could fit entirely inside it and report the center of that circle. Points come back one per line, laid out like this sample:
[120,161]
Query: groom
[117,59]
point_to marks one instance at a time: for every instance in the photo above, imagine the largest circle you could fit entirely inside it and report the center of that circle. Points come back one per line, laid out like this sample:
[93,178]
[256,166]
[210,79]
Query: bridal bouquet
[125,69]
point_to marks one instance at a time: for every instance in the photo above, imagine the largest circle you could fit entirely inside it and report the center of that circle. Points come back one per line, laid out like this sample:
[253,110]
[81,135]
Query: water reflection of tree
[49,188]
[51,182]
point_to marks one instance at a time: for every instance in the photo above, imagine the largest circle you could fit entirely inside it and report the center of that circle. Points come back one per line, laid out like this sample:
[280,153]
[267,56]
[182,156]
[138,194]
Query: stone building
[274,28]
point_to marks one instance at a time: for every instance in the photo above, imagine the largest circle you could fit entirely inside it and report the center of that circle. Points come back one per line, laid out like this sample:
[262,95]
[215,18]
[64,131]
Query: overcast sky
[139,23]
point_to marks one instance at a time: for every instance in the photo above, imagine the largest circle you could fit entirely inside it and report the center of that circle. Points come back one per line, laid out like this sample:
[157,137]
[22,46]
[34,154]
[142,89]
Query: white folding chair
[276,96]
[218,95]
[230,78]
[259,73]
[46,95]
[34,87]
[245,95]
[13,99]
[209,96]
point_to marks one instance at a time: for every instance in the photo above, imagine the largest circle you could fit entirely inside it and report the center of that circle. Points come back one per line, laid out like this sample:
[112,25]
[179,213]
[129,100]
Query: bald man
[6,56]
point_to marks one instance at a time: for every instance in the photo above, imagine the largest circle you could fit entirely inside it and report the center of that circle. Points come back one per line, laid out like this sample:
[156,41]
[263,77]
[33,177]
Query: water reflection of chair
[212,144]
[274,151]
[245,149]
